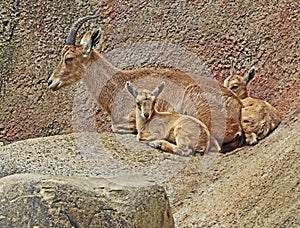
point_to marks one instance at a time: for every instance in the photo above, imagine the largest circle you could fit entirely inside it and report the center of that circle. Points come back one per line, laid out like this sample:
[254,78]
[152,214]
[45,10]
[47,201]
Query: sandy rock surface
[255,186]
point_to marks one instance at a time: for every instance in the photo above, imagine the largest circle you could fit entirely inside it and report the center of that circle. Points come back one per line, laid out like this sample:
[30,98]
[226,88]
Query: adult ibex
[171,132]
[106,84]
[259,117]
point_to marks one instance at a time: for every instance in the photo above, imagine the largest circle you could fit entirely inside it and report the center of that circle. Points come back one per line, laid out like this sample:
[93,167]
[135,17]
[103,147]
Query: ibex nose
[239,134]
[49,82]
[146,115]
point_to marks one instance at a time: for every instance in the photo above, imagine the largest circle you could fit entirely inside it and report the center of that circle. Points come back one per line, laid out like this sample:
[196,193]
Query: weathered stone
[31,200]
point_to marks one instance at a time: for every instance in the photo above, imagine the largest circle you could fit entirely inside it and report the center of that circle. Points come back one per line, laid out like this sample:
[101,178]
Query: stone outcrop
[255,186]
[32,200]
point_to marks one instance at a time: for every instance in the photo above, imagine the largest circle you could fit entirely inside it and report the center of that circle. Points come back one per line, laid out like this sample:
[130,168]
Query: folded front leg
[126,125]
[170,147]
[124,128]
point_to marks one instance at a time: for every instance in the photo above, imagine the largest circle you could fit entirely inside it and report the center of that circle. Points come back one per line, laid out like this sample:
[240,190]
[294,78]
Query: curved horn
[74,28]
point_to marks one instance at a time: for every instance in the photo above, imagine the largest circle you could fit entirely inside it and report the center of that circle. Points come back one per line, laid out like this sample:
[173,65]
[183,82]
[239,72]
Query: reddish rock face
[264,35]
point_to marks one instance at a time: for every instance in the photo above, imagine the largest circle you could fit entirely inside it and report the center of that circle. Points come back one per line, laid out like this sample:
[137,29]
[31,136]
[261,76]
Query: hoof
[185,152]
[156,144]
[251,142]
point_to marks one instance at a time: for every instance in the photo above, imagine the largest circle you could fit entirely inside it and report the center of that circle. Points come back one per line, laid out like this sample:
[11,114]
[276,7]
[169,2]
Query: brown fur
[172,132]
[106,84]
[217,114]
[259,117]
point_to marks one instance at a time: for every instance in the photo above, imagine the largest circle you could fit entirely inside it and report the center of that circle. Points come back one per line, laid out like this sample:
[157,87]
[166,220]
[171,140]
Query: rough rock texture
[251,187]
[264,34]
[255,186]
[31,200]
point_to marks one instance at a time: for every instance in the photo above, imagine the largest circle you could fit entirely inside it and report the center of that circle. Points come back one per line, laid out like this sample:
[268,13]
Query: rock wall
[264,34]
[33,35]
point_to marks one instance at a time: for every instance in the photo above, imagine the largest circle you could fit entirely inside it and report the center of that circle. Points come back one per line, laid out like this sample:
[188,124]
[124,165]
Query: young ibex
[259,117]
[106,83]
[171,132]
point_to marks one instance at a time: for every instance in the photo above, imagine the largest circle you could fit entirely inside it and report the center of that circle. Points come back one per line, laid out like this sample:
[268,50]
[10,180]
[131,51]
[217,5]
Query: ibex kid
[259,117]
[172,132]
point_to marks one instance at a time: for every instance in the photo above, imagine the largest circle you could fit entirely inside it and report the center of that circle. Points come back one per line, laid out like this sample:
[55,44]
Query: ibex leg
[170,147]
[125,126]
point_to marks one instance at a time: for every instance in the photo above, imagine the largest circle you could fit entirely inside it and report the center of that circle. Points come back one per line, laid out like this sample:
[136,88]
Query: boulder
[34,200]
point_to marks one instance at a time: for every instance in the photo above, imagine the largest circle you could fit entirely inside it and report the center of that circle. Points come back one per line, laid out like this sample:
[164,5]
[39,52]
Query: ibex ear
[90,41]
[249,76]
[159,89]
[130,89]
[95,38]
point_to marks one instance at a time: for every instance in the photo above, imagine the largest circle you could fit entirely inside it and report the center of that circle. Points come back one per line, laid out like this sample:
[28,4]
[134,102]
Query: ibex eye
[68,60]
[138,104]
[234,87]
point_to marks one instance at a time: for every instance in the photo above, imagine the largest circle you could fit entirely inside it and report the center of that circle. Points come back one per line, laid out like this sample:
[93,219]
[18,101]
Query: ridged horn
[71,39]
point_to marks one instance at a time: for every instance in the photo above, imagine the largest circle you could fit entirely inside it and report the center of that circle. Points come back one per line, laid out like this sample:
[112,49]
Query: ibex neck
[243,95]
[98,72]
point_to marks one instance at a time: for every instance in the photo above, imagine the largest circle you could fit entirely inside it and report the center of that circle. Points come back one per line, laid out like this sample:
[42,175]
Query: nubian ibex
[259,117]
[171,132]
[81,61]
